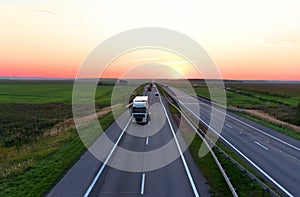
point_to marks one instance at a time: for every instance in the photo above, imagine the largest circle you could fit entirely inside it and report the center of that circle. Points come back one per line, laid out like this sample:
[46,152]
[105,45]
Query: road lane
[170,180]
[280,165]
[173,178]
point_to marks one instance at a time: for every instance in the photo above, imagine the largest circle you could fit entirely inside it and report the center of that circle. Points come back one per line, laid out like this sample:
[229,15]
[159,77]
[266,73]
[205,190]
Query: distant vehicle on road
[156,94]
[140,109]
[149,88]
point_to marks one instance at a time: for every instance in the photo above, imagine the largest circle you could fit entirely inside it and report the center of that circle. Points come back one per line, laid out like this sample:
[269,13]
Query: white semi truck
[140,109]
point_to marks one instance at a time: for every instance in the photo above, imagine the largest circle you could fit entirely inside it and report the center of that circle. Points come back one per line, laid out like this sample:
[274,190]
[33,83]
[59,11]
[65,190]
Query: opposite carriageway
[273,154]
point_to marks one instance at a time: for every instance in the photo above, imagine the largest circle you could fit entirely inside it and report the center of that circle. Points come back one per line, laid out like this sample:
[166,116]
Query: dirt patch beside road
[264,116]
[69,123]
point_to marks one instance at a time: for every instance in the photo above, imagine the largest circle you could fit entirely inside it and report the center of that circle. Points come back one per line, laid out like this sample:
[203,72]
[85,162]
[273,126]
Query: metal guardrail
[223,172]
[207,140]
[248,173]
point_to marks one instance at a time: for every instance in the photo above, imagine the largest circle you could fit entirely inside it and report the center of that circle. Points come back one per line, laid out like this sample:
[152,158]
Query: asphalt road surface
[165,173]
[275,155]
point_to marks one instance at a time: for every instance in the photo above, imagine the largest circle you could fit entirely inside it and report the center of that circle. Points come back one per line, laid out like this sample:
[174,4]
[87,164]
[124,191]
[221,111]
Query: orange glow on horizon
[155,63]
[249,40]
[235,72]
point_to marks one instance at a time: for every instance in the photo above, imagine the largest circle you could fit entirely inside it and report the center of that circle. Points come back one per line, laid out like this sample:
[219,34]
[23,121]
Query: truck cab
[140,109]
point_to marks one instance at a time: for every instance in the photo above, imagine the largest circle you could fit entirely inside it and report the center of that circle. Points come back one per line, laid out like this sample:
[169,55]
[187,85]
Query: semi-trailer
[140,109]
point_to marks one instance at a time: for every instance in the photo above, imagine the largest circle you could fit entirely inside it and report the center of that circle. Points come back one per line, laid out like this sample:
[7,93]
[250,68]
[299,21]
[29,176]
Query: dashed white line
[244,156]
[228,125]
[187,170]
[239,152]
[147,140]
[143,183]
[252,127]
[262,146]
[289,155]
[248,125]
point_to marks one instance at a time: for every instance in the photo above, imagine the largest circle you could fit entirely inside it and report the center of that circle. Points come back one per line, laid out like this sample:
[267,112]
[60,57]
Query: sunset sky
[248,39]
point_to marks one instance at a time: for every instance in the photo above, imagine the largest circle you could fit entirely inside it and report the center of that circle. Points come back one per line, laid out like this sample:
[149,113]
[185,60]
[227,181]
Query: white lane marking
[181,154]
[289,155]
[191,103]
[262,132]
[267,134]
[244,156]
[88,191]
[262,146]
[147,140]
[213,154]
[143,183]
[228,125]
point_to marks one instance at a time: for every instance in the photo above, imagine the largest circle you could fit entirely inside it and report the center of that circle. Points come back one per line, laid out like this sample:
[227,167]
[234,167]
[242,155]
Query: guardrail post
[263,191]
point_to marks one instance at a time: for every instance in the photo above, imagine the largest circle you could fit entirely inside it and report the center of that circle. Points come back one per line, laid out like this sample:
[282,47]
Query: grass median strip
[206,164]
[244,185]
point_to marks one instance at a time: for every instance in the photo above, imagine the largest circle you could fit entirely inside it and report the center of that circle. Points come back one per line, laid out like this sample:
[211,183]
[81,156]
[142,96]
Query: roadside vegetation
[138,91]
[32,159]
[244,185]
[25,123]
[277,100]
[272,101]
[206,164]
[34,168]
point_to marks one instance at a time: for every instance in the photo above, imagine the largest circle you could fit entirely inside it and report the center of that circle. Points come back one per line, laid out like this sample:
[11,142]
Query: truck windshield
[139,110]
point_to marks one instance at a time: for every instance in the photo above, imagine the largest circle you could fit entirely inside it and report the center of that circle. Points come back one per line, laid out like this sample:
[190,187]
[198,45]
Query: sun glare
[181,67]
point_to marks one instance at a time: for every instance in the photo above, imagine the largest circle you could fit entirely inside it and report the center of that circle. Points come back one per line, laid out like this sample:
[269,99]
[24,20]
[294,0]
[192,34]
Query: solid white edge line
[262,146]
[147,140]
[267,134]
[88,191]
[214,156]
[181,154]
[238,151]
[143,183]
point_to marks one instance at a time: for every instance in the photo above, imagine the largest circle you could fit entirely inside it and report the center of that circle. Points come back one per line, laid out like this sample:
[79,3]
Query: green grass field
[242,94]
[280,93]
[35,91]
[30,161]
[46,91]
[33,169]
[280,100]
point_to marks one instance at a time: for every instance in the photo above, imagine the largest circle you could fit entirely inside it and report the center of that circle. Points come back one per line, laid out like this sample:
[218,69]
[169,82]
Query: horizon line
[72,78]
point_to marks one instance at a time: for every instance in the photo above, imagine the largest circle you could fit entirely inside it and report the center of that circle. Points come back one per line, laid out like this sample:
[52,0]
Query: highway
[274,155]
[144,176]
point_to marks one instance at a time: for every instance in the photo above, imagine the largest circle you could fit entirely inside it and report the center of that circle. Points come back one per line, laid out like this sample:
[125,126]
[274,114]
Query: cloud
[283,42]
[45,11]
